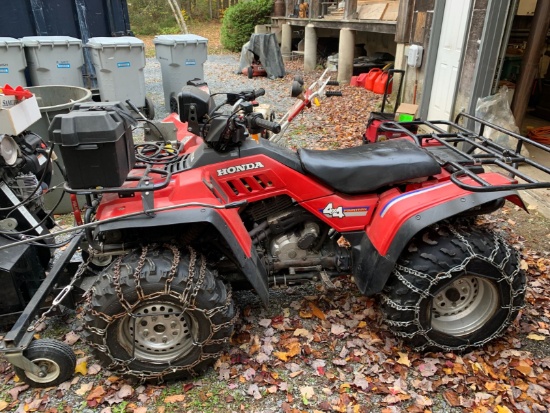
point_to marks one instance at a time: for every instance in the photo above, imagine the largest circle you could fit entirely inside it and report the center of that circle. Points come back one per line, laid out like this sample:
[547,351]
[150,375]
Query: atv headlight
[8,150]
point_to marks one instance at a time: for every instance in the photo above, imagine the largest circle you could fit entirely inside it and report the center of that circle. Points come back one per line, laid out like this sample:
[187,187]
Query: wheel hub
[157,332]
[464,306]
[49,371]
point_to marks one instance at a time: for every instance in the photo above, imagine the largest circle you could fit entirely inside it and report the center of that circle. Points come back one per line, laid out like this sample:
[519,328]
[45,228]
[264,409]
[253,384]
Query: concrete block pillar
[346,48]
[310,48]
[286,41]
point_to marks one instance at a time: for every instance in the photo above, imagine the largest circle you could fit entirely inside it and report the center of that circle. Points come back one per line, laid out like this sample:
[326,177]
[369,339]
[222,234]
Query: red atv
[192,221]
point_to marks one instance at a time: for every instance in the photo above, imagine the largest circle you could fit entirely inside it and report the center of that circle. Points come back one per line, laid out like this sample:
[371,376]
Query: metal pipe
[530,61]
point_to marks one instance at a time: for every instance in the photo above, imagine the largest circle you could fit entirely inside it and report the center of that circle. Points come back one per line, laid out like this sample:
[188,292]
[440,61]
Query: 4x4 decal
[343,212]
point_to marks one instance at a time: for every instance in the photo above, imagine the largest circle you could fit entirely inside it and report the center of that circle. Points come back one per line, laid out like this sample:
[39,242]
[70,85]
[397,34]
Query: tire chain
[122,366]
[424,293]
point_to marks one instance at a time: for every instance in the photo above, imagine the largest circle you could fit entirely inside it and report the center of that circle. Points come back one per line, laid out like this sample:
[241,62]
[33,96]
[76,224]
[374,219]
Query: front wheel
[159,314]
[454,288]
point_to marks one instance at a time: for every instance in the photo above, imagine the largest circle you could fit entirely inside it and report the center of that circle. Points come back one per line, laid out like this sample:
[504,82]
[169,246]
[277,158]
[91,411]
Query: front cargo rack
[462,152]
[145,185]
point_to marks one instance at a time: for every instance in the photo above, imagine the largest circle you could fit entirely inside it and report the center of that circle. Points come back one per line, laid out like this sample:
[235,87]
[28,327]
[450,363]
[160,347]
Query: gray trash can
[54,60]
[12,62]
[119,64]
[181,59]
[55,100]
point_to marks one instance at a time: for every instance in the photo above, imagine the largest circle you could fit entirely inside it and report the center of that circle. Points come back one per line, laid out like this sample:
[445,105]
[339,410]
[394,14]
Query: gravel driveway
[220,74]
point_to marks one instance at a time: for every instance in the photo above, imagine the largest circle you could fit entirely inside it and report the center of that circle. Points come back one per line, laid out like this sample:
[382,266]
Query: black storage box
[96,144]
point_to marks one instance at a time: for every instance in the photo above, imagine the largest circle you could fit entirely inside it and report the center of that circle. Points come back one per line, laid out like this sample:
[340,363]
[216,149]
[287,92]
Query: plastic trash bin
[181,58]
[12,62]
[119,64]
[54,60]
[55,100]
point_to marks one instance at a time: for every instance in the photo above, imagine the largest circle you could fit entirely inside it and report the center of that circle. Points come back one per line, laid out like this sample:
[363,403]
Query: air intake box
[96,144]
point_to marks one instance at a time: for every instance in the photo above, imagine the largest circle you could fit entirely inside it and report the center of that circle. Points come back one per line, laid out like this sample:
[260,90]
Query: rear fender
[242,247]
[399,218]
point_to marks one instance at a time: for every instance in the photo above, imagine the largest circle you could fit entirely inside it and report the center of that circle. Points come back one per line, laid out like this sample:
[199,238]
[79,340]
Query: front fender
[241,246]
[399,218]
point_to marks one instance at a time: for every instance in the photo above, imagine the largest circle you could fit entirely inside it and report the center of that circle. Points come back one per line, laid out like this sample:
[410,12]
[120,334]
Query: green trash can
[54,100]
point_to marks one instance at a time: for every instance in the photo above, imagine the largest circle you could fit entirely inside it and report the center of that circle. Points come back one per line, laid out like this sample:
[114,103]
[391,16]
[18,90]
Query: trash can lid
[174,39]
[124,41]
[37,41]
[10,41]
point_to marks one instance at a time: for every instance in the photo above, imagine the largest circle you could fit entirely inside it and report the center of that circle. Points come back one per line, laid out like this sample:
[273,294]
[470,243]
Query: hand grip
[333,83]
[330,93]
[265,124]
[259,92]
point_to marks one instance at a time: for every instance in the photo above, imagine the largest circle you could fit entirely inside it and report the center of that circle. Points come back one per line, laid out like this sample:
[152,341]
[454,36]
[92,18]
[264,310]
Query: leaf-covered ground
[315,350]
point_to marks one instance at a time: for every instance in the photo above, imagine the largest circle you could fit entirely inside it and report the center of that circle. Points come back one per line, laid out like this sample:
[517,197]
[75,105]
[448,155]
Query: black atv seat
[369,167]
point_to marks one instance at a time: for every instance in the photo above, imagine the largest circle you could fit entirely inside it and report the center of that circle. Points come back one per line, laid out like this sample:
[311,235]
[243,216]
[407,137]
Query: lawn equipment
[25,175]
[191,222]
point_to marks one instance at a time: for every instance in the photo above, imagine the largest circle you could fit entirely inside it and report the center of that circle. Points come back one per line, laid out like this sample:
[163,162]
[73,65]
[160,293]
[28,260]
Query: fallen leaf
[307,392]
[71,337]
[254,391]
[84,388]
[141,409]
[404,359]
[337,329]
[93,369]
[3,405]
[81,368]
[536,337]
[316,311]
[96,393]
[452,398]
[175,398]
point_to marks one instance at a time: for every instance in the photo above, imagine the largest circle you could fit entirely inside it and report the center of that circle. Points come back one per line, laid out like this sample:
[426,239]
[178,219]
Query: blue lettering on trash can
[190,62]
[4,70]
[63,65]
[123,64]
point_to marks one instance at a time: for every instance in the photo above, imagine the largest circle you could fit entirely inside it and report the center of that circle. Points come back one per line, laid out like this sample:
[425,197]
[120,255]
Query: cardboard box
[406,112]
[20,117]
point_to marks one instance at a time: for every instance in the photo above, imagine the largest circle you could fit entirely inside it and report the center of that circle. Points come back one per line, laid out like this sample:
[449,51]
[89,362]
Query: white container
[12,62]
[54,60]
[119,64]
[20,117]
[181,59]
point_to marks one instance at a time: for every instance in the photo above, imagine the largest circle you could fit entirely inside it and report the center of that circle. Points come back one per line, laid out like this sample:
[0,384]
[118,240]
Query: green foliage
[239,21]
[148,17]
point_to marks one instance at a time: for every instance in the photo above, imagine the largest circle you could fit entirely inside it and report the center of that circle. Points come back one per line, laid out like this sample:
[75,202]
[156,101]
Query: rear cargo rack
[462,151]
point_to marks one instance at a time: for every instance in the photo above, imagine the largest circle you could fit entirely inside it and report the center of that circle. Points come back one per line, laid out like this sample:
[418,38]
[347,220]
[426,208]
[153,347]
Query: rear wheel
[454,288]
[156,314]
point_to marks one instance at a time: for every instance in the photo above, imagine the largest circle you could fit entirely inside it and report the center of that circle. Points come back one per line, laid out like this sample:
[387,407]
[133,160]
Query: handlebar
[245,95]
[259,122]
[330,93]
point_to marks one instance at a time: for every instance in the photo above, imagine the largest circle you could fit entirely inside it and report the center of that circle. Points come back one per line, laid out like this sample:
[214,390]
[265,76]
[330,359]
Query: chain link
[65,291]
[187,299]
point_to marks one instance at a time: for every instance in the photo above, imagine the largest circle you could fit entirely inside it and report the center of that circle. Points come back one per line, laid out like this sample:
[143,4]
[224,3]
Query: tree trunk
[177,14]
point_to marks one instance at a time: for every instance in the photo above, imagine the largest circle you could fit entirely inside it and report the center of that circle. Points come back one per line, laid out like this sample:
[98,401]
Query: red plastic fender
[400,216]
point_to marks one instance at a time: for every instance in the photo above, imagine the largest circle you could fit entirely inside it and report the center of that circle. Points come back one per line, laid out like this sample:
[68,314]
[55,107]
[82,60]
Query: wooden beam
[404,20]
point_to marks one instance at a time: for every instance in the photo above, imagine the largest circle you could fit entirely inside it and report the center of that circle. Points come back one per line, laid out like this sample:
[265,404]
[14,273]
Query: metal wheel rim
[464,306]
[51,368]
[158,331]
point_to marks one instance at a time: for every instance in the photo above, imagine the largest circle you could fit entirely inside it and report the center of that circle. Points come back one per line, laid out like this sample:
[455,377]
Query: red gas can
[379,85]
[371,77]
